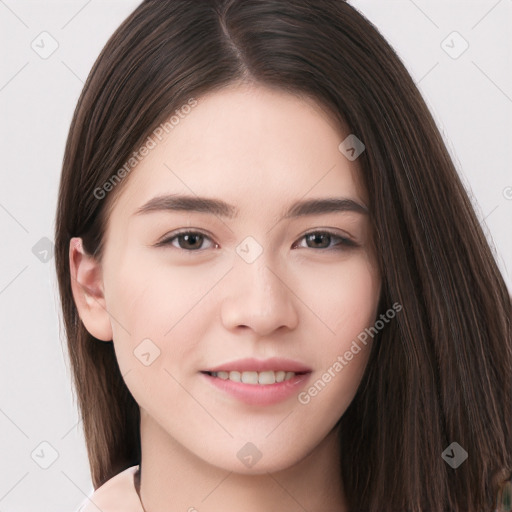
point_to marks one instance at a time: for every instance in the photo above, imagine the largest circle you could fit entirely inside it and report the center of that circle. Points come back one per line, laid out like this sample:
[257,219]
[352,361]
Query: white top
[116,495]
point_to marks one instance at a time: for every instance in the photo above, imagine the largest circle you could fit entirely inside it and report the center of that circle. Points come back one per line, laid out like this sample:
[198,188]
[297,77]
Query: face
[189,288]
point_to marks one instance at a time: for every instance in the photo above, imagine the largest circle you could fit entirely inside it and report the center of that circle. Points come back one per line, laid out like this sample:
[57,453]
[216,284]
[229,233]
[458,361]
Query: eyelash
[344,244]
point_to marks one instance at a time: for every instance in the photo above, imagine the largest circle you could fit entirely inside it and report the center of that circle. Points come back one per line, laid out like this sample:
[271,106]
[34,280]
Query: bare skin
[203,305]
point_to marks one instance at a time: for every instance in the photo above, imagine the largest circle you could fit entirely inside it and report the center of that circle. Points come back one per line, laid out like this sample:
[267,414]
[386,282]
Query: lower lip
[259,394]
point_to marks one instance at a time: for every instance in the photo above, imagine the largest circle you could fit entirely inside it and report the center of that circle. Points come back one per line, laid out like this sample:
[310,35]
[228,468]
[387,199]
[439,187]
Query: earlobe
[88,292]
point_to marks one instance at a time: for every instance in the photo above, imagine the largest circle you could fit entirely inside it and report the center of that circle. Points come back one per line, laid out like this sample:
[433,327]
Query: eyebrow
[222,209]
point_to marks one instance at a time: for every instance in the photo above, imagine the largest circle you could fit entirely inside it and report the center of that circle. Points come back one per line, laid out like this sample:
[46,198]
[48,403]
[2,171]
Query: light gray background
[469,96]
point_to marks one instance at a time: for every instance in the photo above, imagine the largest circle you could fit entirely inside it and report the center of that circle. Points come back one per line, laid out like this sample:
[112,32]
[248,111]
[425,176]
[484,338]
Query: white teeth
[288,375]
[250,377]
[266,377]
[280,375]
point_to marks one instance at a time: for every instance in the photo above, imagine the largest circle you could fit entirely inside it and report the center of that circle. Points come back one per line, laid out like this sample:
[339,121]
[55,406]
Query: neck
[171,474]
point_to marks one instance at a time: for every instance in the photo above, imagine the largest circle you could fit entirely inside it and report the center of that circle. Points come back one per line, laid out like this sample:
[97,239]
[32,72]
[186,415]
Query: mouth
[264,378]
[264,388]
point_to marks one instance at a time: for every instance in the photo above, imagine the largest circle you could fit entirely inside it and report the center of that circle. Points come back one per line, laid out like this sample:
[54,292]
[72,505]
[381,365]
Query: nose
[258,298]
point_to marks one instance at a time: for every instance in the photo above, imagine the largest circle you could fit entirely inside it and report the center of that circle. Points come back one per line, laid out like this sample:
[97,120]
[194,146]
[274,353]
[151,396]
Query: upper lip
[261,365]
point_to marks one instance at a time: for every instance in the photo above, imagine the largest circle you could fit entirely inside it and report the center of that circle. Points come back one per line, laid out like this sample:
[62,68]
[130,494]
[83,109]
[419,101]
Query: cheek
[347,301]
[160,303]
[344,297]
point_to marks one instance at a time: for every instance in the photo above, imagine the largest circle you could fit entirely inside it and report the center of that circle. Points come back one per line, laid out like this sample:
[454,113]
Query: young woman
[276,293]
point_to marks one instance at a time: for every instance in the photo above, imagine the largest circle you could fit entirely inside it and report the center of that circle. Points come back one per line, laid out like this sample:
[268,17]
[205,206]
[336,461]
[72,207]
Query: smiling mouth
[250,377]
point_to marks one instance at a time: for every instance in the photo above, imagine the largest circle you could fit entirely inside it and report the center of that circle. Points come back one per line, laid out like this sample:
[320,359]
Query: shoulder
[116,495]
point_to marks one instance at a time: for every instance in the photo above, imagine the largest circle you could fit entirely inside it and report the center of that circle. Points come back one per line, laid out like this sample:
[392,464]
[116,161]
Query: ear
[88,292]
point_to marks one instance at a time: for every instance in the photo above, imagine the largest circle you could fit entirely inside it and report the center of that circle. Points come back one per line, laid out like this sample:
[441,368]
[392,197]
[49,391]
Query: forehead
[255,147]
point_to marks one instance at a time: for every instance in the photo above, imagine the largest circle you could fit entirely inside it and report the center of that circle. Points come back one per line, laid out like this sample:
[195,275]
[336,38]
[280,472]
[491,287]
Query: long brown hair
[441,372]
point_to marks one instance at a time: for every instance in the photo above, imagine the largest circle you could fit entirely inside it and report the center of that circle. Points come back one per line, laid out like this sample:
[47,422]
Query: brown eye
[323,239]
[187,240]
[319,240]
[191,241]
